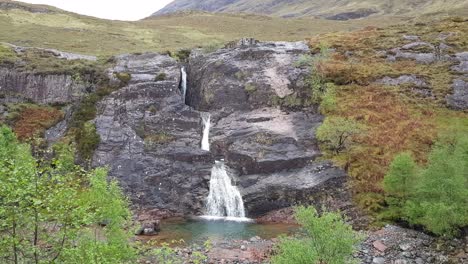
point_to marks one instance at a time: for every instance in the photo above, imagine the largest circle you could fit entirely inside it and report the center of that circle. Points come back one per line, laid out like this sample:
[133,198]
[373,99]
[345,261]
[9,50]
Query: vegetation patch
[160,77]
[396,119]
[158,139]
[29,121]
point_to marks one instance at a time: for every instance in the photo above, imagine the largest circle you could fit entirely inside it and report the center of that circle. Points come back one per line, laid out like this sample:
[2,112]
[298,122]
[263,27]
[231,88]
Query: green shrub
[182,55]
[160,77]
[87,140]
[250,87]
[124,77]
[337,133]
[328,239]
[436,196]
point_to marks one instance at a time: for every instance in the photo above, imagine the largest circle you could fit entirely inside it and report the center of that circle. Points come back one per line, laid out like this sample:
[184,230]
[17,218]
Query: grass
[95,36]
[396,118]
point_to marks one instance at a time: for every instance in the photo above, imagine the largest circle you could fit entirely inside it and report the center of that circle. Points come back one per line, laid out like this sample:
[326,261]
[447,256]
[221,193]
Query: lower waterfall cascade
[183,83]
[224,200]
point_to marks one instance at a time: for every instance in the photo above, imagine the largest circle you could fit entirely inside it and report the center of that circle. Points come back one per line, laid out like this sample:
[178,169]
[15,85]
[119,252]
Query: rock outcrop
[40,88]
[151,138]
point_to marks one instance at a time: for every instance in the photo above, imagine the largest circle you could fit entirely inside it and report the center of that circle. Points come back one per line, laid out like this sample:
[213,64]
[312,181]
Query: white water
[205,143]
[224,199]
[184,83]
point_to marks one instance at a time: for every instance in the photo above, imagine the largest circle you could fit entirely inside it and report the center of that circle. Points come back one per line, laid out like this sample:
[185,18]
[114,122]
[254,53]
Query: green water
[198,231]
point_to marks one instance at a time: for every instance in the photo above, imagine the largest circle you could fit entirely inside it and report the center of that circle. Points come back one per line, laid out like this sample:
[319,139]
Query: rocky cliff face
[151,138]
[40,88]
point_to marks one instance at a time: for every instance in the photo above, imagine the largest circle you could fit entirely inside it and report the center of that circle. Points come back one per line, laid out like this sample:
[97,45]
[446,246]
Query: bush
[436,197]
[337,133]
[160,77]
[328,239]
[51,210]
[87,140]
[124,77]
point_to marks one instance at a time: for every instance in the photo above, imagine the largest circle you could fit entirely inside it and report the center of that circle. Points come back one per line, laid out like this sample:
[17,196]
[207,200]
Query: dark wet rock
[57,132]
[151,139]
[40,88]
[149,228]
[245,77]
[459,98]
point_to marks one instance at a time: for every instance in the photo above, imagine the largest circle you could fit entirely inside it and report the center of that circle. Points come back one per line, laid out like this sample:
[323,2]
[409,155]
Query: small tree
[328,239]
[441,197]
[337,133]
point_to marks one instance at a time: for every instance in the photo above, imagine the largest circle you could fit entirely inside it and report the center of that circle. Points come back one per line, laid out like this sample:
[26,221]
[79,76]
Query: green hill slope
[338,9]
[42,26]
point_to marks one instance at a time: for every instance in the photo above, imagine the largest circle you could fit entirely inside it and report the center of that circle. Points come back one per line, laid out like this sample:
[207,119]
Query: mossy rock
[160,77]
[124,77]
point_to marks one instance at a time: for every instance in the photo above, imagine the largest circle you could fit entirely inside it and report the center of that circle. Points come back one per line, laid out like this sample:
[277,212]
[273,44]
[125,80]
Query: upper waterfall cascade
[224,199]
[206,120]
[184,83]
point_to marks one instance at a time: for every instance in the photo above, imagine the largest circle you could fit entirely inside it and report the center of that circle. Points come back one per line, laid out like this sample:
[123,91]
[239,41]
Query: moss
[158,139]
[7,55]
[124,77]
[182,54]
[87,140]
[264,139]
[240,75]
[160,77]
[250,88]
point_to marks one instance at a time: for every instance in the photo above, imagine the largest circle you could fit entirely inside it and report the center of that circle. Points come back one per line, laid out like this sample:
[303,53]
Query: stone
[410,37]
[378,260]
[459,98]
[149,229]
[419,261]
[405,246]
[403,79]
[243,248]
[379,246]
[400,261]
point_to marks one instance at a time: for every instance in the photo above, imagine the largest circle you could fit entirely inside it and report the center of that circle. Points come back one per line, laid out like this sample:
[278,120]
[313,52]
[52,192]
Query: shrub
[182,55]
[87,140]
[250,87]
[337,133]
[436,197]
[328,239]
[160,77]
[124,77]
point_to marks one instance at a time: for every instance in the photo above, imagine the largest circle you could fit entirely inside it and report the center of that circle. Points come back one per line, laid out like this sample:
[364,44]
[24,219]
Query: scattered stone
[379,246]
[378,260]
[400,261]
[459,97]
[405,247]
[243,248]
[417,44]
[403,79]
[410,37]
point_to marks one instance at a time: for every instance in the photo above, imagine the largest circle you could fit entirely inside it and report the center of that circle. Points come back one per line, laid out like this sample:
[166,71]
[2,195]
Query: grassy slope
[396,118]
[325,7]
[75,33]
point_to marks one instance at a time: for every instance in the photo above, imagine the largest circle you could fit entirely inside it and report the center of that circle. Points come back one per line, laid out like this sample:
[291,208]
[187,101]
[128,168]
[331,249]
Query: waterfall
[224,199]
[206,120]
[184,83]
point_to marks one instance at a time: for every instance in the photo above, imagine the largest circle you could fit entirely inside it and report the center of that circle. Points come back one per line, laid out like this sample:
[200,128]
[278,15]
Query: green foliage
[182,54]
[304,61]
[328,99]
[51,210]
[7,55]
[87,140]
[337,133]
[250,87]
[328,239]
[436,197]
[160,77]
[124,77]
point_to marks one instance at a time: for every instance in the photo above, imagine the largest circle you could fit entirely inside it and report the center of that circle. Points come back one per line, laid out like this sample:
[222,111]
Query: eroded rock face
[151,138]
[245,76]
[40,88]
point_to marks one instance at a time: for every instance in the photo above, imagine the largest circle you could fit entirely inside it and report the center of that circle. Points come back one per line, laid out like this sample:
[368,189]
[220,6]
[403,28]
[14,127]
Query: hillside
[335,10]
[42,26]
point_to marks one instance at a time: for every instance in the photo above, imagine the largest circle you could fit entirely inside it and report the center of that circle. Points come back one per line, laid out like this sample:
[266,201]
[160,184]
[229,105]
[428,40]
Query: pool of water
[200,230]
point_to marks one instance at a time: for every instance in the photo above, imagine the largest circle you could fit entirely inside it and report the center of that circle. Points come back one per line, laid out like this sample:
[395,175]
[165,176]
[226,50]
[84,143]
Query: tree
[399,184]
[328,239]
[441,197]
[436,197]
[48,207]
[337,133]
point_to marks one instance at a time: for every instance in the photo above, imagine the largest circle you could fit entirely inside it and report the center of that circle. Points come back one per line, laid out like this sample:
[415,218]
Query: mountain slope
[337,9]
[48,27]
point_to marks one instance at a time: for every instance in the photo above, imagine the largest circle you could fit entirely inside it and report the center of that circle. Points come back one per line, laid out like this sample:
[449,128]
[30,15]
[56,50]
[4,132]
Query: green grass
[87,35]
